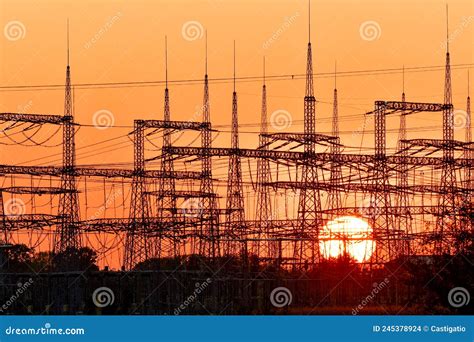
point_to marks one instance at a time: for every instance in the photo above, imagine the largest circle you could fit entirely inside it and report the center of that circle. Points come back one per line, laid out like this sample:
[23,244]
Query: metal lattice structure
[69,236]
[417,199]
[235,216]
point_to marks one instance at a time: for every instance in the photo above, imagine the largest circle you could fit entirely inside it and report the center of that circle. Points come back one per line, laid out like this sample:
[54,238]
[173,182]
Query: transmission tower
[469,154]
[468,138]
[166,198]
[309,206]
[404,219]
[137,244]
[334,195]
[69,234]
[235,215]
[263,212]
[382,223]
[448,207]
[210,223]
[5,234]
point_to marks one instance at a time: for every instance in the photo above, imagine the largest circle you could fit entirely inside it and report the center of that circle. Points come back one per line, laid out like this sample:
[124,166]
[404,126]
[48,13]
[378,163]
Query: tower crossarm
[34,190]
[28,221]
[179,125]
[439,143]
[30,170]
[183,194]
[153,224]
[414,107]
[358,187]
[391,210]
[298,157]
[35,118]
[302,138]
[93,172]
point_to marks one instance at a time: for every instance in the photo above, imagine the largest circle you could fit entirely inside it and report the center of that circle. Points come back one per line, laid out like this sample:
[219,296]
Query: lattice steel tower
[468,138]
[447,216]
[167,198]
[382,222]
[235,215]
[137,243]
[309,207]
[263,212]
[334,195]
[404,220]
[469,154]
[69,233]
[210,222]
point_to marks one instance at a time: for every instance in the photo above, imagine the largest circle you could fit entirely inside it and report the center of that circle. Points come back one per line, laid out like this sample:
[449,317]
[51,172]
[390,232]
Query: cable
[366,72]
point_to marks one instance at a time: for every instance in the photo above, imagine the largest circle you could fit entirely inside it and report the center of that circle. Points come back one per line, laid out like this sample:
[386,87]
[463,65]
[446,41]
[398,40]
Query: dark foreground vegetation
[232,285]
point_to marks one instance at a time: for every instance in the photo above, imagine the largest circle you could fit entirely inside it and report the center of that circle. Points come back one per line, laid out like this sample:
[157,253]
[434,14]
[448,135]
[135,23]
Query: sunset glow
[347,234]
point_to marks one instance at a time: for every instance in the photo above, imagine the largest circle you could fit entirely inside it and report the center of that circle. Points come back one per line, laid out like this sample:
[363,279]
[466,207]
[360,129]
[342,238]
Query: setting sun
[349,235]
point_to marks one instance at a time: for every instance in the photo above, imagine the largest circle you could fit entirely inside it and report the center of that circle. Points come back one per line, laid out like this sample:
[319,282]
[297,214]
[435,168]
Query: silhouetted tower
[69,233]
[235,216]
[210,223]
[137,243]
[309,207]
[404,219]
[447,218]
[263,212]
[167,198]
[468,154]
[5,236]
[381,220]
[334,195]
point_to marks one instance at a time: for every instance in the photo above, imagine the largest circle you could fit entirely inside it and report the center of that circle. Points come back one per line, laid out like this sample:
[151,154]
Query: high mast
[309,207]
[448,218]
[263,212]
[209,206]
[235,216]
[69,235]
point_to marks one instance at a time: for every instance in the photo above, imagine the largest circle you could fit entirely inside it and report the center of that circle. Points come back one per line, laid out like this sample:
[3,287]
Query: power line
[259,78]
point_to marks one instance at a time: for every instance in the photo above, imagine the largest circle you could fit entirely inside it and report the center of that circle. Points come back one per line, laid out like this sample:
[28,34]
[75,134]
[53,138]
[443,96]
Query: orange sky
[122,41]
[132,49]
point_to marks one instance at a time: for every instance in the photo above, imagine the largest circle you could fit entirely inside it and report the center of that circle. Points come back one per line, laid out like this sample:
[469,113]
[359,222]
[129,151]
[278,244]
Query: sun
[348,234]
